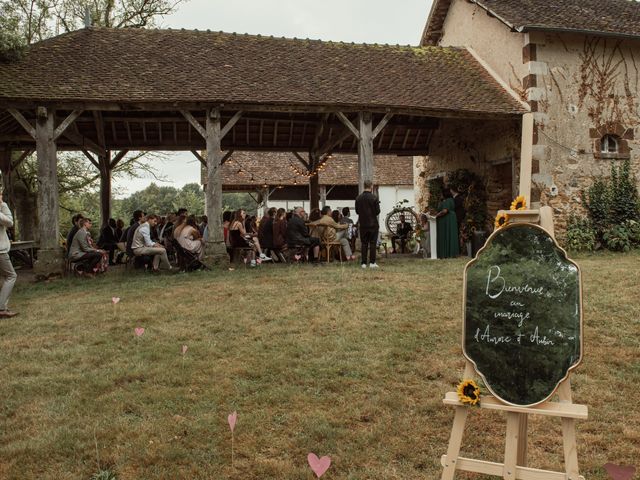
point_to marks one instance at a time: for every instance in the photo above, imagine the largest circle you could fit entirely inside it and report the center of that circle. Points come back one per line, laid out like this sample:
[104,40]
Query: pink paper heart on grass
[115,300]
[258,261]
[184,349]
[318,465]
[139,331]
[232,418]
[297,257]
[620,472]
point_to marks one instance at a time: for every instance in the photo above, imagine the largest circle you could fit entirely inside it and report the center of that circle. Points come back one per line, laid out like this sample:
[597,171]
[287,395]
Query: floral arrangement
[469,392]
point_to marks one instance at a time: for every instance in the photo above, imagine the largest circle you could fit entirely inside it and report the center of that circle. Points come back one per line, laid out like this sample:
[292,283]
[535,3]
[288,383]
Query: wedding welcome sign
[522,314]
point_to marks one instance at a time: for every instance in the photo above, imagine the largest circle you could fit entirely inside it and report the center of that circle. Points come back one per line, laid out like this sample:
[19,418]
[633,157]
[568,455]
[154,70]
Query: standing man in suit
[7,273]
[368,209]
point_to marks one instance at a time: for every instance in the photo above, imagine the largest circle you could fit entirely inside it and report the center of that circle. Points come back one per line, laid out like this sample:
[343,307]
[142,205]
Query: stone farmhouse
[575,62]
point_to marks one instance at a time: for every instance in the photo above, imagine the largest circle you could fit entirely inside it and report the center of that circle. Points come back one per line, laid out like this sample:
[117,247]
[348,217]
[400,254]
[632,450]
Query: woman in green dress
[448,246]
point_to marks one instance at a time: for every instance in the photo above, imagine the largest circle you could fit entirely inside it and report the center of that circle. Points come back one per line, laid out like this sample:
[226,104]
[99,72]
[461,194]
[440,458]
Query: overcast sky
[363,21]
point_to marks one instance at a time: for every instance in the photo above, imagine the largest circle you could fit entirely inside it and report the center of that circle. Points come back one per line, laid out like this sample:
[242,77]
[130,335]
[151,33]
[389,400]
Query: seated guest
[182,211]
[74,229]
[425,237]
[189,238]
[119,228]
[239,238]
[227,218]
[403,232]
[352,232]
[298,233]
[265,231]
[166,232]
[333,231]
[138,218]
[279,233]
[204,223]
[87,258]
[142,244]
[314,216]
[108,239]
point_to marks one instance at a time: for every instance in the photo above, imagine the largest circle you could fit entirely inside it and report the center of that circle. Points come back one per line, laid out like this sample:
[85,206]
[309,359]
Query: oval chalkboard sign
[522,314]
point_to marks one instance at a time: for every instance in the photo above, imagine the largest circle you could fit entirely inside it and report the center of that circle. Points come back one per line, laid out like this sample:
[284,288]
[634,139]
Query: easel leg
[455,442]
[511,446]
[522,440]
[569,435]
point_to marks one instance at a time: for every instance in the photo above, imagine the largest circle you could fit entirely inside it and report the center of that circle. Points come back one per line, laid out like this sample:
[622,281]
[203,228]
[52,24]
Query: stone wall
[489,148]
[586,87]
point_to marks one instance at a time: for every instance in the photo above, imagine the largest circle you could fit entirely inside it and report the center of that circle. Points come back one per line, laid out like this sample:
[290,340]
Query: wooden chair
[327,248]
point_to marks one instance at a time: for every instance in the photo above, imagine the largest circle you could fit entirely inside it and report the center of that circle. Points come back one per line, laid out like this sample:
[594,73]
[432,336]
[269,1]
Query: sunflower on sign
[501,220]
[469,392]
[520,203]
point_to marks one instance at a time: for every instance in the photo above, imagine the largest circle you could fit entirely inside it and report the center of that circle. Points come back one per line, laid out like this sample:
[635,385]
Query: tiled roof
[605,17]
[255,168]
[174,66]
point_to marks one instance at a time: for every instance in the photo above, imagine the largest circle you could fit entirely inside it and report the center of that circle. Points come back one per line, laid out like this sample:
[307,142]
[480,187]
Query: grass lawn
[342,362]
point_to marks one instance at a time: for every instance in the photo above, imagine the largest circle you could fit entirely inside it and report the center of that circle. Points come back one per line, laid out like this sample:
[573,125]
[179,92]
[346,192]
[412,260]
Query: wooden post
[5,166]
[50,254]
[365,149]
[323,196]
[314,182]
[526,157]
[105,188]
[213,192]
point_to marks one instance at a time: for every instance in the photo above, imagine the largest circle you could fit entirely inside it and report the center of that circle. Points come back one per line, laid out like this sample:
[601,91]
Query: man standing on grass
[6,268]
[368,209]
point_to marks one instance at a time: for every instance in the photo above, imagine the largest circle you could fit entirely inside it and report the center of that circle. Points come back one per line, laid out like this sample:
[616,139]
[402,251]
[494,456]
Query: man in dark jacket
[138,216]
[298,233]
[265,231]
[368,209]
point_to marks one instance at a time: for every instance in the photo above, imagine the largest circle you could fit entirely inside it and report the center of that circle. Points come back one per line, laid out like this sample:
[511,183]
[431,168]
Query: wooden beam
[275,133]
[83,142]
[365,150]
[260,135]
[382,124]
[48,197]
[116,160]
[329,145]
[347,123]
[144,132]
[65,124]
[291,133]
[194,123]
[226,157]
[21,159]
[199,157]
[406,138]
[415,142]
[23,121]
[301,160]
[91,158]
[99,123]
[128,128]
[230,124]
[160,132]
[113,131]
[393,137]
[247,132]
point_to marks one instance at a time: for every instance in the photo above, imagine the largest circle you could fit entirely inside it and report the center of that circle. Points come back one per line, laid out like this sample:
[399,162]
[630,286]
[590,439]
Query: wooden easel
[515,454]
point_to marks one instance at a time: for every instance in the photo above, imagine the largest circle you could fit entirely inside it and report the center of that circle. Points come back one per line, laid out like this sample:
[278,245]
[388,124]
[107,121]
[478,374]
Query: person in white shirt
[143,245]
[7,273]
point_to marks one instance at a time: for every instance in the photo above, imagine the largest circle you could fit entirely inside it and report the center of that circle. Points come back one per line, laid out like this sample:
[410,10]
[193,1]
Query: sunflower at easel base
[469,392]
[520,203]
[502,219]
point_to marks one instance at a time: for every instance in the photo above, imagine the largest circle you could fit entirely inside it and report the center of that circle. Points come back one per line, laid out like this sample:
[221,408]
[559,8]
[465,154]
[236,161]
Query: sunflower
[502,220]
[520,203]
[469,392]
